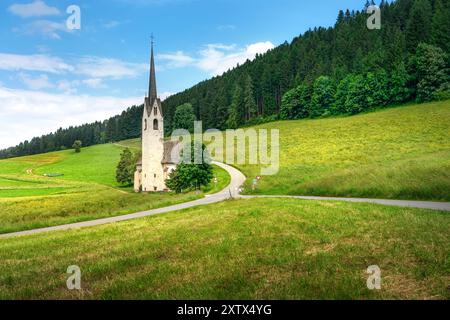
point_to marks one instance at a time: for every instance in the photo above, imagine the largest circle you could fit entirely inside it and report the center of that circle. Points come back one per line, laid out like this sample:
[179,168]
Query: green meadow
[396,153]
[241,249]
[86,191]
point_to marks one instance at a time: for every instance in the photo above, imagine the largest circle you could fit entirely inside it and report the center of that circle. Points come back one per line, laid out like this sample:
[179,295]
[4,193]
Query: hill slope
[246,249]
[86,191]
[401,153]
[396,153]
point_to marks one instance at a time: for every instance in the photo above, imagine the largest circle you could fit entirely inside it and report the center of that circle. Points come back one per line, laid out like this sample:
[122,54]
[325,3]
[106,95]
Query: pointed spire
[152,82]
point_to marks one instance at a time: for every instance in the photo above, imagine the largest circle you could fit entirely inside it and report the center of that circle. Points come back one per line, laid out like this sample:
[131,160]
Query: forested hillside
[344,69]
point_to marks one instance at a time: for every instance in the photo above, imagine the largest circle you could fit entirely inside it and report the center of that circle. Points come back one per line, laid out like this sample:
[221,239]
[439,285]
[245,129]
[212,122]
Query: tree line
[344,69]
[121,127]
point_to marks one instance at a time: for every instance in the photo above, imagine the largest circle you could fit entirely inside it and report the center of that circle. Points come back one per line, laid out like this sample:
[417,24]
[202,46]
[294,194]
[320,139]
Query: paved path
[442,206]
[237,180]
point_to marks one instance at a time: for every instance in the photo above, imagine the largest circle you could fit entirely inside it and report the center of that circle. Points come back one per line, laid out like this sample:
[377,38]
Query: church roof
[152,92]
[169,148]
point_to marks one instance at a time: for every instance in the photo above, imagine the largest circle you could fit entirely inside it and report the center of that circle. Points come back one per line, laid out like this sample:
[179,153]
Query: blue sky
[51,76]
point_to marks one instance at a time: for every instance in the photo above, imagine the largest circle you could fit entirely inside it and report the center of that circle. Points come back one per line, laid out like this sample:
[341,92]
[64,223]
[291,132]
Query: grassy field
[86,191]
[397,153]
[244,249]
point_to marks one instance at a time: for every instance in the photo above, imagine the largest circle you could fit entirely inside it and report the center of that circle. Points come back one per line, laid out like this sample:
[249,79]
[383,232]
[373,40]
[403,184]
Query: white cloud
[216,58]
[97,67]
[46,28]
[35,83]
[89,66]
[67,86]
[37,8]
[25,114]
[163,96]
[176,60]
[94,83]
[38,62]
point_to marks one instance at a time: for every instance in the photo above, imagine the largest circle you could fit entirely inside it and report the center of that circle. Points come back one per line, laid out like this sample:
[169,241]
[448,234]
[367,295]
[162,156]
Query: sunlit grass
[87,190]
[246,249]
[396,153]
[402,152]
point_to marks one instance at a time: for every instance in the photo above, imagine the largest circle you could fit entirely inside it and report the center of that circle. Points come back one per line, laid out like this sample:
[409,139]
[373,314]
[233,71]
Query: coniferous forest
[344,69]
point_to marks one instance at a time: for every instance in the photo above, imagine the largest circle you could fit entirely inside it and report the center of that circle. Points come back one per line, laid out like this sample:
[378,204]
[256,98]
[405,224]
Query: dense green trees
[233,120]
[342,69]
[441,25]
[419,24]
[398,84]
[431,73]
[322,98]
[184,118]
[125,168]
[377,66]
[295,103]
[190,175]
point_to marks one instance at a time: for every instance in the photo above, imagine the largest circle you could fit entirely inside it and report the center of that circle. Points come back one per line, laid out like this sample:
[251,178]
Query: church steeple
[152,81]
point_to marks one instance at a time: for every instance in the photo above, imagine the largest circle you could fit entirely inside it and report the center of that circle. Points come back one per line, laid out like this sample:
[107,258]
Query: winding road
[232,191]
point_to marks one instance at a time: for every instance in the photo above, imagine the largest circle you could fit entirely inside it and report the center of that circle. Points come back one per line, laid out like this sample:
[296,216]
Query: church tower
[152,175]
[159,157]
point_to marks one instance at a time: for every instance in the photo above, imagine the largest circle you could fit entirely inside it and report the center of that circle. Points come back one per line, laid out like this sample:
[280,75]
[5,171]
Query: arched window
[145,124]
[155,124]
[155,111]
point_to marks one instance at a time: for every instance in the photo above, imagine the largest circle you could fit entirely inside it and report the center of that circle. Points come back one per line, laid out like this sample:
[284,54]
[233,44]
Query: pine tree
[419,25]
[125,168]
[249,99]
[233,120]
[398,85]
[441,26]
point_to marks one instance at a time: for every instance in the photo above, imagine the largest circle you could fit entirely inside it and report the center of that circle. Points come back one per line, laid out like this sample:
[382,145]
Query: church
[159,157]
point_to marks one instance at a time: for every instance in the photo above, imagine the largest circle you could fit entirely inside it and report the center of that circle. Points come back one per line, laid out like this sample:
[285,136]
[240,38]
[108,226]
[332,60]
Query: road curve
[232,191]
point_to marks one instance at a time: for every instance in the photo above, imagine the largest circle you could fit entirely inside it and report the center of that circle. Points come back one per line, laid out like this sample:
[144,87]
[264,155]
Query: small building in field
[159,157]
